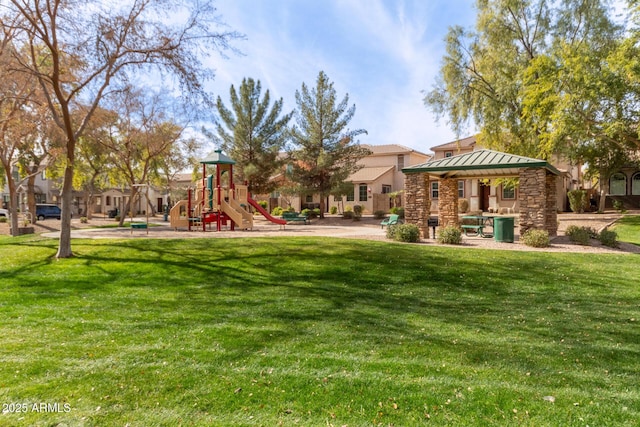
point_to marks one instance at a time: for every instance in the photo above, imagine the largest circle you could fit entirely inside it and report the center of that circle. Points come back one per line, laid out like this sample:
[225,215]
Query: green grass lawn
[628,229]
[315,332]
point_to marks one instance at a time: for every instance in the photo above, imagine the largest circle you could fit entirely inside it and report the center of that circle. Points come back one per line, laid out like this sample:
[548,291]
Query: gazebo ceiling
[479,164]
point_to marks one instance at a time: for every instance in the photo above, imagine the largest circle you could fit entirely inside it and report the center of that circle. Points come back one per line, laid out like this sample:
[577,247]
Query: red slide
[265,213]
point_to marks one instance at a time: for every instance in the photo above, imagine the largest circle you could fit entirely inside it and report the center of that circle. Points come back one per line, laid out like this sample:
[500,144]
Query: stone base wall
[551,215]
[538,201]
[448,203]
[417,206]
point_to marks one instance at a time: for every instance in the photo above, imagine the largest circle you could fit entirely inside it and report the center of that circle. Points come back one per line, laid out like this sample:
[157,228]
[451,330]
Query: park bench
[294,217]
[138,225]
[477,230]
[392,220]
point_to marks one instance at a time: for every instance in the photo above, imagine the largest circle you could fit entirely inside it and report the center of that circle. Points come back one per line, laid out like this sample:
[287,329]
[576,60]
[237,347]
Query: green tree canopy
[509,77]
[253,134]
[325,151]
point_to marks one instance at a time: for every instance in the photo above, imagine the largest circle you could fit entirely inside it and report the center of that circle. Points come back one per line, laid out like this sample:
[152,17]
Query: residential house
[624,185]
[380,175]
[46,190]
[500,197]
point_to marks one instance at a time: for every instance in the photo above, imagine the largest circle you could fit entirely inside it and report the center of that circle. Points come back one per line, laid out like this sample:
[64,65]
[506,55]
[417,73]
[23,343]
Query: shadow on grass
[521,309]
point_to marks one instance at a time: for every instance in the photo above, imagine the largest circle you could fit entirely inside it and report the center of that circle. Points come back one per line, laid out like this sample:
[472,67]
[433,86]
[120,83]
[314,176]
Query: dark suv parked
[47,211]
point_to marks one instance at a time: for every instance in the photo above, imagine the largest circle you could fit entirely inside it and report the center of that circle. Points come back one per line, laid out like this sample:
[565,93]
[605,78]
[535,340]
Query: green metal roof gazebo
[479,164]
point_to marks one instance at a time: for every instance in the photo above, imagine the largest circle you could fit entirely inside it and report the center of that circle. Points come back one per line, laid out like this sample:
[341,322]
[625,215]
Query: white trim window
[635,184]
[618,184]
[435,185]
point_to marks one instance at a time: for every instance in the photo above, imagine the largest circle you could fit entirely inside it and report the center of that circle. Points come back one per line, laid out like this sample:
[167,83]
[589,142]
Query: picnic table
[476,224]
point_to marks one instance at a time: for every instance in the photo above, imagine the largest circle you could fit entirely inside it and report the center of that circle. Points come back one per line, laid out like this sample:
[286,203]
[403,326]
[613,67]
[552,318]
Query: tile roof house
[380,175]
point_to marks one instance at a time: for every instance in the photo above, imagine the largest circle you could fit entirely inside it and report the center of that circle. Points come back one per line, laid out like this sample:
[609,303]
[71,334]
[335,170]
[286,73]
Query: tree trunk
[128,211]
[322,197]
[13,206]
[88,205]
[604,190]
[31,196]
[64,245]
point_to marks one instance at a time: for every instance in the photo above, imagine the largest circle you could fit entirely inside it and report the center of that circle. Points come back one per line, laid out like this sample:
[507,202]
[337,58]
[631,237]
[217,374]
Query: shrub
[277,211]
[3,219]
[463,205]
[348,213]
[608,238]
[310,213]
[357,210]
[619,206]
[263,203]
[391,231]
[333,210]
[580,235]
[449,235]
[378,214]
[536,238]
[577,200]
[84,220]
[409,233]
[398,211]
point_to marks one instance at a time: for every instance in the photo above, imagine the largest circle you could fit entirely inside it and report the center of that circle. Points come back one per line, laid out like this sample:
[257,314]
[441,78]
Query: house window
[309,198]
[275,195]
[400,161]
[434,190]
[386,189]
[350,192]
[618,184]
[108,200]
[43,176]
[508,192]
[362,193]
[635,184]
[448,154]
[461,189]
[337,198]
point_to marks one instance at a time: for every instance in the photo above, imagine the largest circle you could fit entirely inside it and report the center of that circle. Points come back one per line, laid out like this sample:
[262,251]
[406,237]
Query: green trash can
[503,229]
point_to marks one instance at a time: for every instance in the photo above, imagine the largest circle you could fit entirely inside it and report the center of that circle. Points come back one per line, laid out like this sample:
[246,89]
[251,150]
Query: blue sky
[383,53]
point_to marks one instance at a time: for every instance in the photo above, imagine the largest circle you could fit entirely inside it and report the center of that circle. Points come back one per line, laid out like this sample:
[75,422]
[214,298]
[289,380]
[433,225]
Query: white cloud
[382,52]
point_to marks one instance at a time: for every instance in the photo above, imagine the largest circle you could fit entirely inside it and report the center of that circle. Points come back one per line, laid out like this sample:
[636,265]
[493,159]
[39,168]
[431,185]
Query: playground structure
[217,200]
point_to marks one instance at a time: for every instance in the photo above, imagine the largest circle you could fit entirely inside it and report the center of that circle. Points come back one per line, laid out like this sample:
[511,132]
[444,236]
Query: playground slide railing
[178,215]
[235,214]
[247,218]
[241,194]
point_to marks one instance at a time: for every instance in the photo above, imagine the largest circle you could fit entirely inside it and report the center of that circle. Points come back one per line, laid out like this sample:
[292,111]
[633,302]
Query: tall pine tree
[326,152]
[252,134]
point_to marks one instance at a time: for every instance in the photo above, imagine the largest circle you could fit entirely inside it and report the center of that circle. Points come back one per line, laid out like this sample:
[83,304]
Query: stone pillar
[417,203]
[551,217]
[448,202]
[538,201]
